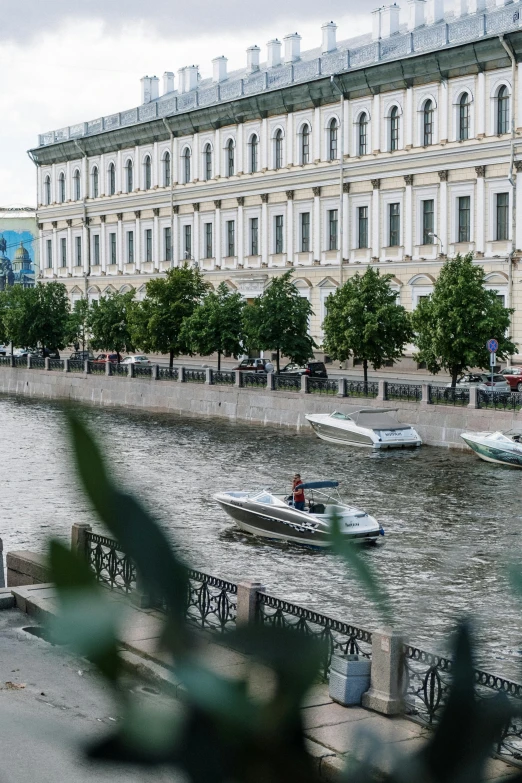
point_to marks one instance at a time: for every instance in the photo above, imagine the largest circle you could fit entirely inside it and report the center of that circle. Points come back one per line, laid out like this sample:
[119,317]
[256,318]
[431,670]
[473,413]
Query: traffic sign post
[492,346]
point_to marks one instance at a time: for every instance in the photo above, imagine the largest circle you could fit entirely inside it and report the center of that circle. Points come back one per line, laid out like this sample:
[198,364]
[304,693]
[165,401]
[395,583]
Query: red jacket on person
[299,495]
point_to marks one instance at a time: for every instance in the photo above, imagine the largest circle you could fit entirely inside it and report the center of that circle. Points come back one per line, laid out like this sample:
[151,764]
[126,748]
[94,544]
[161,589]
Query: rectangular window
[112,248]
[463,203]
[332,229]
[63,252]
[305,232]
[148,244]
[502,216]
[167,243]
[362,227]
[395,225]
[130,247]
[209,243]
[279,224]
[231,238]
[187,242]
[254,236]
[428,225]
[96,249]
[49,246]
[78,253]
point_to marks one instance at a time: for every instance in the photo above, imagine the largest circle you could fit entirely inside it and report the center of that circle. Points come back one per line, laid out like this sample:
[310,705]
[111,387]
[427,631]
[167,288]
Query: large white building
[397,149]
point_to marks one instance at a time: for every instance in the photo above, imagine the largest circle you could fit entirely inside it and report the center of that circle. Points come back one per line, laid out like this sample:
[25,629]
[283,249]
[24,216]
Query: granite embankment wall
[438,425]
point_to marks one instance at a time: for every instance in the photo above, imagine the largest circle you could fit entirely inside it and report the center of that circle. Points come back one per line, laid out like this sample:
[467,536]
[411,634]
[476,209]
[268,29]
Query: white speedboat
[272,515]
[504,448]
[376,428]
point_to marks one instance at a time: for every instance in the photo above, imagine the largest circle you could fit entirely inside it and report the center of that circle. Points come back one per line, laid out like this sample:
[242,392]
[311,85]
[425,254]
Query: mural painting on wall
[17,259]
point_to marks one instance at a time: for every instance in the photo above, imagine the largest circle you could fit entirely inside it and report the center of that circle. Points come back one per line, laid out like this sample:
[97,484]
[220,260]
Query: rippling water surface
[452,521]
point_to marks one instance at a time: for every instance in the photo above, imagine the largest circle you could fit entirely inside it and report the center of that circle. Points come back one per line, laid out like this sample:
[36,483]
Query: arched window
[230,158]
[207,161]
[61,188]
[166,170]
[77,185]
[394,129]
[47,190]
[427,123]
[503,110]
[147,173]
[464,117]
[254,154]
[278,149]
[362,134]
[112,179]
[186,165]
[95,191]
[129,176]
[305,145]
[332,139]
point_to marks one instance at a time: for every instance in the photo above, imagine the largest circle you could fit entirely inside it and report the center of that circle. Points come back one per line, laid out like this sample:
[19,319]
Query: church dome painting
[16,259]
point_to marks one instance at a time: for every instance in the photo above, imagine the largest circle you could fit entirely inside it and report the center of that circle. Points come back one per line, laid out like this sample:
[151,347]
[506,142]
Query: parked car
[103,358]
[82,356]
[50,353]
[483,382]
[4,350]
[313,369]
[513,376]
[251,365]
[136,360]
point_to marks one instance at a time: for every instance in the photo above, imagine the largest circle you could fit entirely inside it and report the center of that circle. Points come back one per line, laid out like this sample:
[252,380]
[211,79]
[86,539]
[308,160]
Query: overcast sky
[66,61]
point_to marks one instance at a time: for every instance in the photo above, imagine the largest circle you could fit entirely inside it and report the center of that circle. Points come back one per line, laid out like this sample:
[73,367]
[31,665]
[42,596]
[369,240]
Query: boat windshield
[337,415]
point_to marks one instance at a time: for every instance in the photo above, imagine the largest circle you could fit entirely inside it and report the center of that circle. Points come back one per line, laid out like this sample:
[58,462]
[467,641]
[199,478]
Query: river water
[452,522]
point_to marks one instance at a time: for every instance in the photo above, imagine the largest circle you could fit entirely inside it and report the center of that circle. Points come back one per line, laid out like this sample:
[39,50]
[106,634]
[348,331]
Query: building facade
[396,149]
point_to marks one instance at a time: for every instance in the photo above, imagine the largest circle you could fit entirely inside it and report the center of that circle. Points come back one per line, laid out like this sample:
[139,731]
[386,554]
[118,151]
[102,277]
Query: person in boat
[298,494]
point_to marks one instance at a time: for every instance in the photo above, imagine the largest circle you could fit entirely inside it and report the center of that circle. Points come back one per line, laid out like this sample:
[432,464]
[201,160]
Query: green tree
[216,325]
[364,320]
[157,321]
[278,321]
[36,316]
[109,322]
[78,324]
[453,325]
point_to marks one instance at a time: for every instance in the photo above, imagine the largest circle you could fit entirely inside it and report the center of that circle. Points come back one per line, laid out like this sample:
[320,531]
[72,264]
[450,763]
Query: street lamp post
[432,234]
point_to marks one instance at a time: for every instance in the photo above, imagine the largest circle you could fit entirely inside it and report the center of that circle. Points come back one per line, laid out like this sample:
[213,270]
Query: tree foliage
[157,321]
[36,316]
[78,324]
[216,325]
[364,320]
[109,322]
[278,321]
[453,325]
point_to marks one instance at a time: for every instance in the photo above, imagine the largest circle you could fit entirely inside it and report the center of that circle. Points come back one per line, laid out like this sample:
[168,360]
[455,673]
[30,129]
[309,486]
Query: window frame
[47,190]
[77,185]
[502,110]
[426,230]
[362,134]
[96,249]
[167,169]
[187,241]
[130,246]
[363,219]
[148,245]
[129,176]
[305,144]
[278,149]
[332,218]
[428,116]
[111,175]
[61,188]
[95,182]
[208,231]
[254,154]
[463,116]
[394,129]
[207,161]
[333,139]
[49,253]
[279,234]
[147,172]
[254,236]
[113,248]
[167,243]
[230,158]
[187,165]
[463,226]
[304,232]
[394,224]
[504,224]
[63,252]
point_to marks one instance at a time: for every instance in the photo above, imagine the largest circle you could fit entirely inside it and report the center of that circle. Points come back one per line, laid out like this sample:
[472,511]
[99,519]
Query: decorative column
[155,166]
[376,123]
[119,174]
[120,253]
[70,248]
[86,238]
[175,237]
[137,241]
[408,216]
[156,244]
[102,178]
[264,229]
[41,244]
[317,224]
[346,219]
[103,244]
[480,212]
[240,249]
[518,234]
[346,128]
[443,209]
[290,227]
[55,248]
[290,139]
[316,134]
[195,229]
[376,219]
[175,161]
[195,157]
[218,253]
[481,105]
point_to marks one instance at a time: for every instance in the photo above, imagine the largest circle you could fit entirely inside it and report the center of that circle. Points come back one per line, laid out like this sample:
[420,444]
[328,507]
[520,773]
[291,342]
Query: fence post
[108,368]
[155,372]
[87,367]
[247,602]
[79,538]
[341,387]
[238,379]
[208,376]
[139,596]
[66,367]
[425,393]
[304,384]
[2,572]
[132,367]
[270,381]
[28,361]
[12,357]
[385,694]
[181,374]
[473,397]
[382,393]
[46,363]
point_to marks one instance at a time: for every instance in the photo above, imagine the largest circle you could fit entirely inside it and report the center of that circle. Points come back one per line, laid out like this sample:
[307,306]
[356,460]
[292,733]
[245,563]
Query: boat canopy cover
[318,485]
[376,420]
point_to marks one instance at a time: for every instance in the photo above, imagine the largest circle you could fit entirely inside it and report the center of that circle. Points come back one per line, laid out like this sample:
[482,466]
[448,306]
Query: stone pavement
[334,733]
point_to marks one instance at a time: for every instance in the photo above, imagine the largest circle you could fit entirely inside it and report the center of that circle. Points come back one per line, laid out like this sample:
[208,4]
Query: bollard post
[473,397]
[28,361]
[270,381]
[341,387]
[2,572]
[108,368]
[208,376]
[181,374]
[425,394]
[247,602]
[46,363]
[238,380]
[139,596]
[87,367]
[304,384]
[66,367]
[12,357]
[381,394]
[155,372]
[386,692]
[79,543]
[132,368]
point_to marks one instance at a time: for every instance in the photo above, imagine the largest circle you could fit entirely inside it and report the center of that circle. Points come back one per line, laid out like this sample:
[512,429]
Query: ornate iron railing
[168,374]
[287,383]
[111,566]
[223,378]
[76,365]
[253,380]
[338,637]
[503,401]
[121,370]
[5,361]
[211,602]
[322,386]
[20,361]
[38,363]
[142,371]
[97,368]
[56,364]
[444,395]
[194,376]
[403,391]
[361,389]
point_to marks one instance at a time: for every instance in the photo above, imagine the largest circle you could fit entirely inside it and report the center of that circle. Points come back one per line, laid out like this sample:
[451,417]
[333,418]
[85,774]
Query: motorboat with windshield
[273,515]
[504,448]
[376,428]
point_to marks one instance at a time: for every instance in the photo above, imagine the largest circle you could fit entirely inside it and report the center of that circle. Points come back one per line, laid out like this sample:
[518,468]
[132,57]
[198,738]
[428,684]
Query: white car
[483,382]
[136,360]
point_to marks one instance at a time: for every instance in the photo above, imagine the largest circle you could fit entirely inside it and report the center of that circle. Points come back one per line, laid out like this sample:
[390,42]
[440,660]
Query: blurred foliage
[219,732]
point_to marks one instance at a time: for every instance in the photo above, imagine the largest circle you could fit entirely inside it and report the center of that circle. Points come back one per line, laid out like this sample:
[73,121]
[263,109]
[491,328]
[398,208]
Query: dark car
[313,369]
[82,356]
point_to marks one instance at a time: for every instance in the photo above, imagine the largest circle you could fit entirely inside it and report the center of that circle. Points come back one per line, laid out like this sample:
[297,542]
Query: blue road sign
[492,345]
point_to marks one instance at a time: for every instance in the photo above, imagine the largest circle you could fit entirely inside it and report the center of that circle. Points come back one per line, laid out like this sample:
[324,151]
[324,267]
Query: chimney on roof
[376,24]
[329,35]
[253,53]
[219,65]
[292,47]
[145,89]
[461,8]
[389,20]
[476,6]
[154,88]
[274,53]
[434,11]
[416,9]
[168,82]
[188,78]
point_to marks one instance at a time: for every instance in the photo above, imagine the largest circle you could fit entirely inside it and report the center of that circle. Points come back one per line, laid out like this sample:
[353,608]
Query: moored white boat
[376,428]
[502,448]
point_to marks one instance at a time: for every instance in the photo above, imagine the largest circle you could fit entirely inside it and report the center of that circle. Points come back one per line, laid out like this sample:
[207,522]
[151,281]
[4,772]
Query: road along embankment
[437,424]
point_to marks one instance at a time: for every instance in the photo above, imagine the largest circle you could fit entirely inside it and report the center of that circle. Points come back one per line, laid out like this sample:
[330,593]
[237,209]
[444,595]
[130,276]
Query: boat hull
[348,437]
[491,453]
